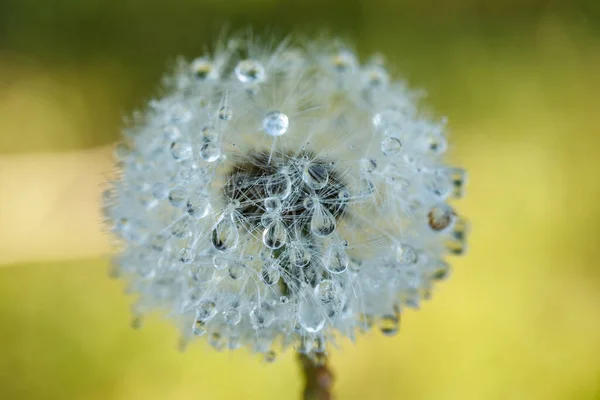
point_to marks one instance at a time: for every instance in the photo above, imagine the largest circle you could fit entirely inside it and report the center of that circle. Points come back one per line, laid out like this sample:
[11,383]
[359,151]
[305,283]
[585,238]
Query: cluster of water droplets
[277,196]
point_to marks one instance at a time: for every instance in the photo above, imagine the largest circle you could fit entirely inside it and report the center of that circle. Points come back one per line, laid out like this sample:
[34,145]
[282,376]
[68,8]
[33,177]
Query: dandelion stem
[318,377]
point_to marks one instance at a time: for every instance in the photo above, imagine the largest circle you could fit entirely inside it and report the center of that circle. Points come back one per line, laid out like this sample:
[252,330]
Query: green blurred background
[520,83]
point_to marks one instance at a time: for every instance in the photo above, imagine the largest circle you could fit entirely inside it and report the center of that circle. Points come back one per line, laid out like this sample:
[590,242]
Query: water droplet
[335,259]
[179,114]
[279,185]
[299,255]
[181,151]
[262,316]
[344,61]
[458,237]
[275,123]
[440,217]
[368,165]
[187,255]
[225,113]
[275,235]
[217,341]
[232,316]
[326,291]
[210,152]
[181,228]
[437,145]
[178,197]
[202,68]
[391,146]
[201,274]
[250,71]
[209,134]
[198,328]
[376,77]
[440,270]
[284,299]
[206,310]
[322,222]
[171,133]
[225,235]
[220,263]
[273,205]
[270,356]
[315,175]
[311,317]
[458,176]
[389,324]
[198,207]
[160,191]
[406,255]
[237,271]
[269,275]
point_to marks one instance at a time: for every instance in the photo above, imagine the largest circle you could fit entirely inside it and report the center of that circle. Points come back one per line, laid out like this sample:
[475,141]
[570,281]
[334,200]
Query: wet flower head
[283,195]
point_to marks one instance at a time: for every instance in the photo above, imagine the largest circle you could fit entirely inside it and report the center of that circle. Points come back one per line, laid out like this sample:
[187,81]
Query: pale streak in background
[50,205]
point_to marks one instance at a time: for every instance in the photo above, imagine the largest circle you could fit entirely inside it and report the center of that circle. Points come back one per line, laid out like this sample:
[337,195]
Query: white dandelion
[283,196]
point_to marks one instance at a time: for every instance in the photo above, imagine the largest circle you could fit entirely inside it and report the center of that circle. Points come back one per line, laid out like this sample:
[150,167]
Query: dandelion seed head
[281,195]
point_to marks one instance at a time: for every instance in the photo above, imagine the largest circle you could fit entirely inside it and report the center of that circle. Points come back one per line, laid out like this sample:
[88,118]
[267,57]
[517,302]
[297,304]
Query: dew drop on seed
[389,324]
[440,217]
[220,263]
[210,152]
[181,151]
[326,291]
[187,255]
[406,255]
[275,123]
[269,275]
[368,165]
[202,68]
[225,113]
[250,71]
[177,197]
[279,185]
[299,255]
[171,133]
[236,271]
[179,114]
[198,328]
[261,316]
[209,134]
[206,310]
[310,317]
[232,316]
[458,176]
[322,222]
[315,175]
[440,270]
[225,235]
[270,356]
[198,206]
[181,228]
[335,259]
[274,236]
[437,145]
[391,146]
[272,205]
[344,61]
[160,191]
[201,274]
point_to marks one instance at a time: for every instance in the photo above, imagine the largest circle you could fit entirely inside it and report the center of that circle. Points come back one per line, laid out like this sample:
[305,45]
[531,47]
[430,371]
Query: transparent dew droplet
[179,114]
[181,228]
[209,134]
[458,176]
[335,259]
[279,185]
[269,275]
[391,146]
[326,291]
[217,341]
[210,152]
[440,217]
[225,235]
[376,77]
[406,255]
[344,61]
[201,274]
[315,175]
[178,197]
[171,133]
[261,316]
[250,71]
[187,255]
[237,271]
[389,324]
[202,68]
[198,206]
[275,123]
[275,235]
[225,113]
[181,151]
[437,145]
[206,310]
[311,316]
[270,356]
[198,328]
[160,191]
[322,222]
[220,262]
[273,205]
[457,243]
[368,165]
[440,270]
[232,316]
[299,255]
[284,299]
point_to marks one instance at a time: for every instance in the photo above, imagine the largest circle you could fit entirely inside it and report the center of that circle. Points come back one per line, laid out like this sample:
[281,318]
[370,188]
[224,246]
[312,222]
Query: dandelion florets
[283,195]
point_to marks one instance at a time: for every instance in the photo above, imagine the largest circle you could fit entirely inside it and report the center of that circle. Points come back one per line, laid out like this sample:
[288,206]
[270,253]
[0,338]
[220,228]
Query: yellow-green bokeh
[519,318]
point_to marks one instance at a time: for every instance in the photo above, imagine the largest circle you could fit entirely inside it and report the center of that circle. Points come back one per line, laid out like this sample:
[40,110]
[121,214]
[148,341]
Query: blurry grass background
[520,83]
